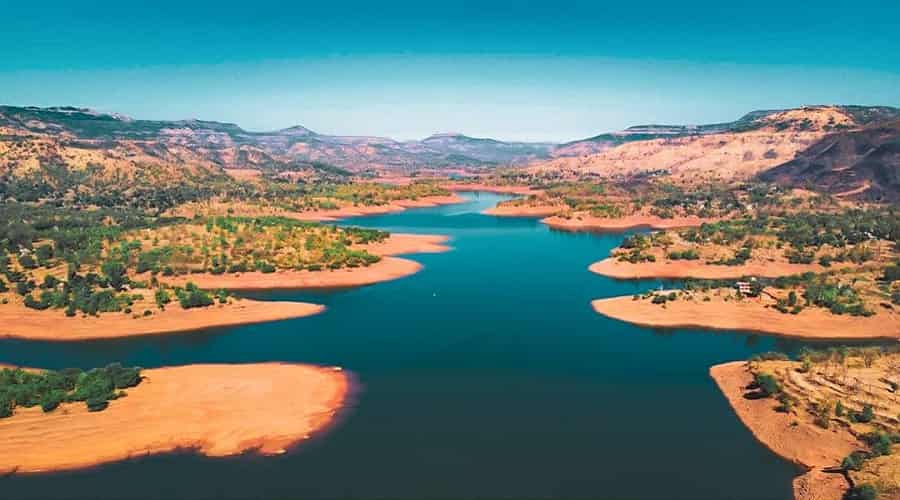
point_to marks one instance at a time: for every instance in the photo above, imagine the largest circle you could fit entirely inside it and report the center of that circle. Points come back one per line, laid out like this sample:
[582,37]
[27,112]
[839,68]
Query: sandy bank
[540,211]
[215,410]
[356,211]
[21,322]
[637,221]
[748,315]
[402,243]
[388,268]
[676,269]
[800,442]
[488,188]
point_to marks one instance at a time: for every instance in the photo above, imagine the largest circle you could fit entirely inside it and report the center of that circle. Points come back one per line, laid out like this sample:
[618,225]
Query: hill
[734,151]
[228,146]
[863,164]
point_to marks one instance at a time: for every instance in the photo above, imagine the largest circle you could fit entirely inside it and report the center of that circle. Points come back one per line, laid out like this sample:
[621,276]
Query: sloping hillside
[738,150]
[228,146]
[861,164]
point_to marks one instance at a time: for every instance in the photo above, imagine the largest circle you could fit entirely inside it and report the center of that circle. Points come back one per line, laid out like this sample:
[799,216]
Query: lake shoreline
[387,269]
[685,269]
[620,224]
[811,323]
[201,408]
[337,214]
[21,322]
[54,326]
[800,443]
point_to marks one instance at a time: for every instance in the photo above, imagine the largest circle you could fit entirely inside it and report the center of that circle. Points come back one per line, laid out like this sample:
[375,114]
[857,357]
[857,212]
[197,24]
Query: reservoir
[486,375]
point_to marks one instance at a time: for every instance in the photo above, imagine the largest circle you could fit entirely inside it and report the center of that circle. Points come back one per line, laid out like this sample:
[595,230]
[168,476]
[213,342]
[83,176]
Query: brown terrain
[388,268]
[53,325]
[212,207]
[490,188]
[750,315]
[355,211]
[815,415]
[635,221]
[18,321]
[725,156]
[536,211]
[202,408]
[800,442]
[677,269]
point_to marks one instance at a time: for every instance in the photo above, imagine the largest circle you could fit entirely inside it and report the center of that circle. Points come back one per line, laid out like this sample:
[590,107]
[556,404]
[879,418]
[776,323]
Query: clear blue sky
[543,71]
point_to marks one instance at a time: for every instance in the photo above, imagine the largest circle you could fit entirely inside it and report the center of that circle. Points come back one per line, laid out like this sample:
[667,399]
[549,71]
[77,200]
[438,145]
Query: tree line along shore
[166,273]
[74,273]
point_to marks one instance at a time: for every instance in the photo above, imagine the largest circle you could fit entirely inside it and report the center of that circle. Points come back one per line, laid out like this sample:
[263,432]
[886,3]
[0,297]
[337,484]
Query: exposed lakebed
[485,375]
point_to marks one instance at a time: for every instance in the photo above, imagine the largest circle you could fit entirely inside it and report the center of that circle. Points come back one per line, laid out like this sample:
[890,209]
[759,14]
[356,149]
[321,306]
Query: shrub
[854,461]
[866,415]
[51,400]
[768,385]
[96,404]
[191,296]
[861,492]
[27,261]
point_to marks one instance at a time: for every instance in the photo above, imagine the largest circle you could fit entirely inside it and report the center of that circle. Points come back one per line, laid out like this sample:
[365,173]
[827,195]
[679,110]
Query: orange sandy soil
[803,443]
[214,410]
[636,221]
[750,315]
[490,188]
[354,211]
[696,269]
[541,211]
[388,268]
[402,243]
[17,321]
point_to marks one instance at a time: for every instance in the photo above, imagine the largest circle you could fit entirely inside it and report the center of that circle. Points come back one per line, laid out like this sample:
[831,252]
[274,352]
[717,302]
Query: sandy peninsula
[387,269]
[490,188]
[334,214]
[748,315]
[636,221]
[796,440]
[53,325]
[679,269]
[536,211]
[204,408]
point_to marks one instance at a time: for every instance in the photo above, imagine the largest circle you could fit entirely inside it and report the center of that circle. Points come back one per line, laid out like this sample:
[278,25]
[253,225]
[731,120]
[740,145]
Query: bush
[854,461]
[96,404]
[866,415]
[51,400]
[861,492]
[768,385]
[191,296]
[27,261]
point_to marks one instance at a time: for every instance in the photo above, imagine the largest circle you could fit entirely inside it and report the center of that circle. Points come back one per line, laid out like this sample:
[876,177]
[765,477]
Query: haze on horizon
[540,72]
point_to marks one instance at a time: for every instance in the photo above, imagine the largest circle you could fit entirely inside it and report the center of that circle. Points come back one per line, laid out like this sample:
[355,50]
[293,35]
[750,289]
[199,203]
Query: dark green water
[485,376]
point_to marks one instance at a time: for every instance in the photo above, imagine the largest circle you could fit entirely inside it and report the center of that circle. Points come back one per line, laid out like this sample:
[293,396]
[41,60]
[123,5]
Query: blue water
[487,375]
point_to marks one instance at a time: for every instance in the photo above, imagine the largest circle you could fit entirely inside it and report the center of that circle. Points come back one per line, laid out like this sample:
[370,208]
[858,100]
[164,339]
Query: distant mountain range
[834,148]
[753,120]
[229,146]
